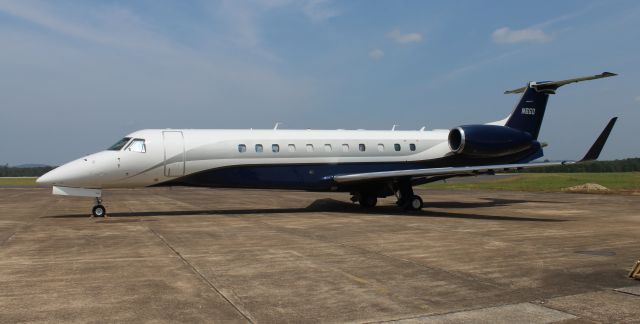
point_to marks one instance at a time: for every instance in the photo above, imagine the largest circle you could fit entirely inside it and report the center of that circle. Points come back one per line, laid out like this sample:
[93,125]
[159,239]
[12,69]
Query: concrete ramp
[516,313]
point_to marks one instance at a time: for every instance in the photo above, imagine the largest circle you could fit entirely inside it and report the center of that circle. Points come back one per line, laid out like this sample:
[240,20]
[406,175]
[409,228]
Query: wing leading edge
[592,154]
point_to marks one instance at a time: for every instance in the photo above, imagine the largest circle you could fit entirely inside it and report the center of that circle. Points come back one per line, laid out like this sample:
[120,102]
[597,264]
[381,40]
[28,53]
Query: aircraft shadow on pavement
[337,206]
[488,202]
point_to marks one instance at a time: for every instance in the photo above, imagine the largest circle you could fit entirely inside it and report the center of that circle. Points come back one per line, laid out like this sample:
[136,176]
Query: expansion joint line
[465,277]
[238,308]
[24,226]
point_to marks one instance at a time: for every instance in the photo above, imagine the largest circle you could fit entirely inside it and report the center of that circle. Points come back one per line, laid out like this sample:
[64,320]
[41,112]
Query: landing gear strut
[407,200]
[98,209]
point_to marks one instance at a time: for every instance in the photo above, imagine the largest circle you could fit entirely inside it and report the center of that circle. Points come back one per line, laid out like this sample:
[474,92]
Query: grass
[619,181]
[18,182]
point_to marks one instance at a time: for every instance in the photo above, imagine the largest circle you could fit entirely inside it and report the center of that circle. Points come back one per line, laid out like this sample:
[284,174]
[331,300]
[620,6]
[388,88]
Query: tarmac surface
[204,255]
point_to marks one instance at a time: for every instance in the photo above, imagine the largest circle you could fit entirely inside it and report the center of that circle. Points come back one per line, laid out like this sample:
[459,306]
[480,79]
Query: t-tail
[529,112]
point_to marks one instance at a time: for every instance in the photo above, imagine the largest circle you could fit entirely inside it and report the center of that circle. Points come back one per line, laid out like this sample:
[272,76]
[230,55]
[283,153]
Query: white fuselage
[169,154]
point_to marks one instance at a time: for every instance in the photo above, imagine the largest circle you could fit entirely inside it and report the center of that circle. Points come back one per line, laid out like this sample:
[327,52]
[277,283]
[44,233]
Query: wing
[592,154]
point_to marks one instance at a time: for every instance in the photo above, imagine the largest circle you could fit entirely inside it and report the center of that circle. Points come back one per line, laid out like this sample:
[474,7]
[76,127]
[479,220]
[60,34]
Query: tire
[98,211]
[416,203]
[368,201]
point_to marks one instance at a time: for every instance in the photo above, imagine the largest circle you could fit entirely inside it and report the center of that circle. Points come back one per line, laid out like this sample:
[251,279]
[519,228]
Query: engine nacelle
[488,140]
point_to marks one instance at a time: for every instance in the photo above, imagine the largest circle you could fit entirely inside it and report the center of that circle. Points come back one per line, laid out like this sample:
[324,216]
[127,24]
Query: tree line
[625,165]
[7,171]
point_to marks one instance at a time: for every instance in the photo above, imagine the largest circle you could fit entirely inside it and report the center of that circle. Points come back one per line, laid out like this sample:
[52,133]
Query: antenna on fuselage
[276,126]
[394,127]
[422,128]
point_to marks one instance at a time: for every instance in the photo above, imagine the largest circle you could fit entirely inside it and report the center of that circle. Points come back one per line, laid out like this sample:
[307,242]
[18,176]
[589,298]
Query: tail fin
[529,112]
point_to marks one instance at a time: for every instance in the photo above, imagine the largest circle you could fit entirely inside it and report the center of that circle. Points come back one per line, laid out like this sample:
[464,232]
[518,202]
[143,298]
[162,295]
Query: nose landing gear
[98,209]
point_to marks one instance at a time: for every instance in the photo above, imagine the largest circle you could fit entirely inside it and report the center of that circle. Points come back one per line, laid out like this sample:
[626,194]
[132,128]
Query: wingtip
[598,145]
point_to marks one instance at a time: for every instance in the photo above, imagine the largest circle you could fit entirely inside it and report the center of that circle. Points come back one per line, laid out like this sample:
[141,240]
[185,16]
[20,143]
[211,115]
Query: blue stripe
[318,177]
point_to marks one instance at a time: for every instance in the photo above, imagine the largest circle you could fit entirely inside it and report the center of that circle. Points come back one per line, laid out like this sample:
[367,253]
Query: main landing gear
[368,200]
[98,209]
[407,200]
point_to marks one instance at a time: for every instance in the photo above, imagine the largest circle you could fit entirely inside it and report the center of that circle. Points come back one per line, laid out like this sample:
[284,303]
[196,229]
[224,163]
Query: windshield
[137,145]
[119,145]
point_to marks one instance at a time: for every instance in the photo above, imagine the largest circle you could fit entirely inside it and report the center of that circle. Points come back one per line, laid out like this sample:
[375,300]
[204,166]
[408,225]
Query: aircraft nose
[45,179]
[73,174]
[86,172]
[55,176]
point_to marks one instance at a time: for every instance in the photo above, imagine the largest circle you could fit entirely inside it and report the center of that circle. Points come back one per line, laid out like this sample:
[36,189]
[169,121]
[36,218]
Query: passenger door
[174,155]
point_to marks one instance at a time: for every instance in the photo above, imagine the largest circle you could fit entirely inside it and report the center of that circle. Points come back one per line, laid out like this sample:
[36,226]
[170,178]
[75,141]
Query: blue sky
[76,76]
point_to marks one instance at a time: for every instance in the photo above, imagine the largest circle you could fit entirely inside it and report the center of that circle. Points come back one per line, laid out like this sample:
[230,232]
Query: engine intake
[488,140]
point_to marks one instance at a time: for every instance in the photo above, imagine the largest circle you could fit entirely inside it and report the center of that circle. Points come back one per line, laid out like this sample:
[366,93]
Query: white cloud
[399,37]
[111,62]
[510,36]
[376,54]
[319,10]
[478,64]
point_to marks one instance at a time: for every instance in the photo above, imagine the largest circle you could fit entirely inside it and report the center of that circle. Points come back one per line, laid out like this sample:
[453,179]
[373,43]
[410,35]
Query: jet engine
[488,140]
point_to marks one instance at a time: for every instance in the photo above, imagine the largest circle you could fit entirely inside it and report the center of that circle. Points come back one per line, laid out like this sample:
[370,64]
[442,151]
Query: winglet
[596,148]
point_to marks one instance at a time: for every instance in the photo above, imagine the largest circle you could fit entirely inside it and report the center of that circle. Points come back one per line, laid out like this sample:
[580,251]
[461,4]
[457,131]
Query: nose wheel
[98,209]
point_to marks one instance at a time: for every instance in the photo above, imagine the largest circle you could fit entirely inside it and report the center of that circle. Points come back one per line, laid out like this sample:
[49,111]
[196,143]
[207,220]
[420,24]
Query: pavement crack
[235,304]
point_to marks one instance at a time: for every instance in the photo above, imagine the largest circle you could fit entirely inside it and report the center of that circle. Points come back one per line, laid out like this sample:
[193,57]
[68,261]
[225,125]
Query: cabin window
[412,147]
[327,147]
[275,148]
[137,145]
[380,147]
[396,147]
[345,147]
[119,145]
[309,147]
[361,147]
[292,148]
[259,148]
[242,148]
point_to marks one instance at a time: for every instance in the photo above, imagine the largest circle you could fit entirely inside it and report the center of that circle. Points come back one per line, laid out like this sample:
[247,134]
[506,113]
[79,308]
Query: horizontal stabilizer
[596,148]
[551,86]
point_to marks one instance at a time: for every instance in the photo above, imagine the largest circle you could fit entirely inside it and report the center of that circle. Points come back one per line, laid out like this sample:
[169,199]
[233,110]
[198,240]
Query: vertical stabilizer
[529,112]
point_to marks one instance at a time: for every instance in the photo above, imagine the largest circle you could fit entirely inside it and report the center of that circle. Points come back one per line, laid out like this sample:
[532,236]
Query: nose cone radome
[64,175]
[47,178]
[78,173]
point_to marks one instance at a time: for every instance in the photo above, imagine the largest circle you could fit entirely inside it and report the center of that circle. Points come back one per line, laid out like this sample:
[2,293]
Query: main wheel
[98,211]
[416,203]
[368,201]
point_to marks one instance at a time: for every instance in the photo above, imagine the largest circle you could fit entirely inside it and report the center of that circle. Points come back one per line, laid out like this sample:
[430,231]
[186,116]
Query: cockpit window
[137,145]
[119,145]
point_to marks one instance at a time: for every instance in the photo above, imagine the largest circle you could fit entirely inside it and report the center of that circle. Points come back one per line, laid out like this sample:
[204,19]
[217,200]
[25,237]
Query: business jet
[367,164]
